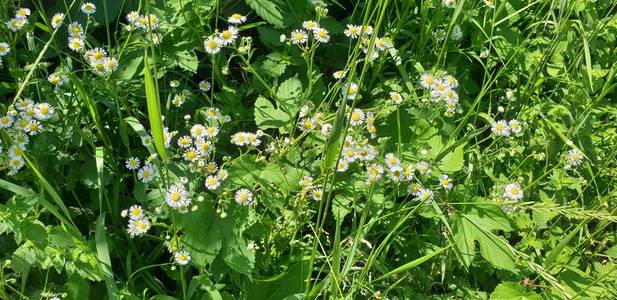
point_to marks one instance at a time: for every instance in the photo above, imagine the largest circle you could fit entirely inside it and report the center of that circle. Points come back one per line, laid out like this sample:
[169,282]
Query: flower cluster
[139,223]
[442,89]
[100,63]
[506,128]
[22,122]
[180,255]
[247,138]
[215,42]
[308,187]
[20,20]
[148,24]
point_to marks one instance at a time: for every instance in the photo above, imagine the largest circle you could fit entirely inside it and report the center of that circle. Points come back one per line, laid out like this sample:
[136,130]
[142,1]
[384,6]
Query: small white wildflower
[500,128]
[132,163]
[243,197]
[575,158]
[513,191]
[88,8]
[236,19]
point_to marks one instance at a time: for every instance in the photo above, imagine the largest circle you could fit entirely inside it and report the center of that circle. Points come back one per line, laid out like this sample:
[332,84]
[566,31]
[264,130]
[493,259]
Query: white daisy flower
[182,257]
[325,129]
[132,16]
[391,160]
[75,30]
[515,126]
[409,172]
[34,127]
[136,212]
[489,3]
[317,194]
[88,8]
[352,31]
[439,35]
[339,74]
[213,113]
[110,64]
[191,154]
[396,98]
[513,191]
[76,44]
[427,80]
[236,19]
[43,111]
[445,182]
[6,121]
[213,131]
[204,147]
[350,91]
[185,142]
[212,182]
[16,24]
[425,195]
[321,35]
[222,174]
[205,86]
[146,140]
[575,158]
[146,173]
[357,117]
[176,197]
[396,173]
[380,44]
[307,124]
[342,165]
[310,25]
[449,3]
[298,37]
[414,189]
[367,30]
[422,167]
[500,128]
[244,197]
[4,48]
[22,12]
[16,163]
[16,151]
[229,35]
[213,45]
[132,163]
[138,227]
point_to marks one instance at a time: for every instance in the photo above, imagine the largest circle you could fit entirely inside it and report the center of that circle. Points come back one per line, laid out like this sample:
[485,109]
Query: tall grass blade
[154,110]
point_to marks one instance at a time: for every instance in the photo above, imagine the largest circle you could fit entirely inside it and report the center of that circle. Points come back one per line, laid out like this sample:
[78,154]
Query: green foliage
[263,149]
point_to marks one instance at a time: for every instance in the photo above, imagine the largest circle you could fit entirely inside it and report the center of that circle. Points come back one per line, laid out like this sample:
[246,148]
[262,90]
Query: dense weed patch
[269,149]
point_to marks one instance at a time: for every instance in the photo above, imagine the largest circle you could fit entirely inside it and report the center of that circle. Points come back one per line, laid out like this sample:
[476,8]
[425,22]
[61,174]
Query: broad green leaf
[268,10]
[453,161]
[267,116]
[513,291]
[476,225]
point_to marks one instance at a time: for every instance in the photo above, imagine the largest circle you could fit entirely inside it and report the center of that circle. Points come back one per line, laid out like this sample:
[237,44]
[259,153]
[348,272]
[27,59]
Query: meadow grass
[274,149]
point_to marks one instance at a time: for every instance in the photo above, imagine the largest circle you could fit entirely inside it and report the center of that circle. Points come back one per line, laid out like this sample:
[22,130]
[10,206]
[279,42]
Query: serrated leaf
[513,291]
[477,224]
[267,116]
[268,11]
